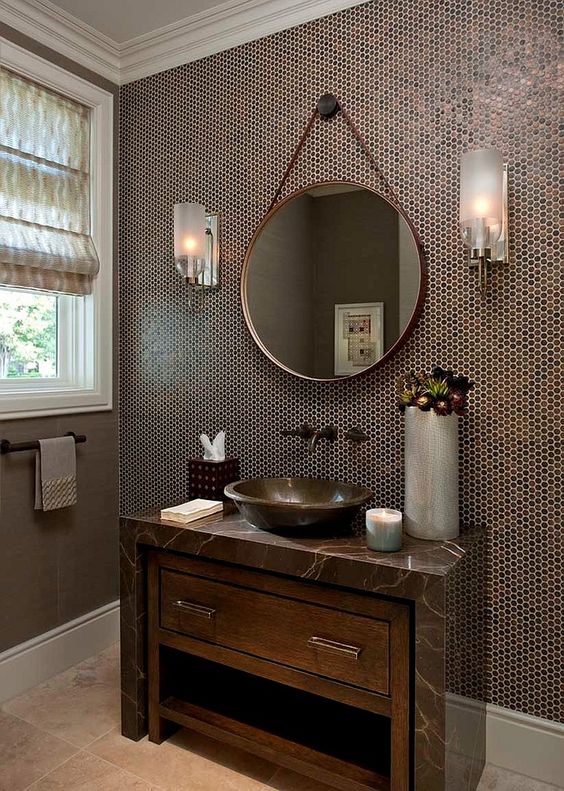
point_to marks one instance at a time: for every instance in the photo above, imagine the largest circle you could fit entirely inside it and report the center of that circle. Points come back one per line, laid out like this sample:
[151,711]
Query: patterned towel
[55,474]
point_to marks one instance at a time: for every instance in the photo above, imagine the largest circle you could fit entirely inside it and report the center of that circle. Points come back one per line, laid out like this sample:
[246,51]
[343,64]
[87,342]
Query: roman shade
[45,233]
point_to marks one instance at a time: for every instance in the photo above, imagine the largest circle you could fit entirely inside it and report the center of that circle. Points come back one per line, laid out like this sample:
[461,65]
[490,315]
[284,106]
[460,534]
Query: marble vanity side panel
[466,668]
[430,688]
[133,616]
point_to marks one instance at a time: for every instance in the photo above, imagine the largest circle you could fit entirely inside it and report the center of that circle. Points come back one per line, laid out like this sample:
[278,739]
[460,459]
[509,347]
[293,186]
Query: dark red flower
[442,406]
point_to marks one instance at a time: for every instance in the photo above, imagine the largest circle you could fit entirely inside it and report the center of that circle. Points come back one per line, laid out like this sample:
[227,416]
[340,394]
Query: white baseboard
[465,723]
[517,742]
[42,657]
[528,745]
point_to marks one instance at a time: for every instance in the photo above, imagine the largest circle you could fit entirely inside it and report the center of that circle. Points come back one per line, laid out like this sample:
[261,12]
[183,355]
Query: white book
[189,512]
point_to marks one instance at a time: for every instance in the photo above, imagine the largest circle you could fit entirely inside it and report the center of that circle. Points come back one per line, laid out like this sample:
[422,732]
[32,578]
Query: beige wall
[58,565]
[280,285]
[356,257]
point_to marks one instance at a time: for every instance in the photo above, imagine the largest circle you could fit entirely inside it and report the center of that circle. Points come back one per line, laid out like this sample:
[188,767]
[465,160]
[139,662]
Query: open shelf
[294,728]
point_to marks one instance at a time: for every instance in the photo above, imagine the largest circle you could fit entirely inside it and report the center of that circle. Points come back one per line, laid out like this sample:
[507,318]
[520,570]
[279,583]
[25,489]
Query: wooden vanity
[289,649]
[316,654]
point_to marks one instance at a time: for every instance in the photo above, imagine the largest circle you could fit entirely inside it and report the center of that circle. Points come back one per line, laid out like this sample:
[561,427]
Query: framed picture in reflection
[359,336]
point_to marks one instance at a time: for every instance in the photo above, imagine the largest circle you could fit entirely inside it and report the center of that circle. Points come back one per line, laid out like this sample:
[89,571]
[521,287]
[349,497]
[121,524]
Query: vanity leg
[133,626]
[159,728]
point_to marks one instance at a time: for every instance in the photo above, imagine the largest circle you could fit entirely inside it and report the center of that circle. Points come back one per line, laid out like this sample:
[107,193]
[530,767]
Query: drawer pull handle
[194,609]
[330,645]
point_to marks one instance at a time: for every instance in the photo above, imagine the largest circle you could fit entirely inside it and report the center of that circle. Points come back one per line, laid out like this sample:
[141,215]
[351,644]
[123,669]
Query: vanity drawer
[345,646]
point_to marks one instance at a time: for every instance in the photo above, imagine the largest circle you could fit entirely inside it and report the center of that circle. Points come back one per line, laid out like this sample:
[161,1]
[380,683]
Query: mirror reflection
[331,280]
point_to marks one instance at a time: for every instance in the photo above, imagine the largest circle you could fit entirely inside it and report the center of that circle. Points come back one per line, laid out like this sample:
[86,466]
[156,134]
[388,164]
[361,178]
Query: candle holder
[383,529]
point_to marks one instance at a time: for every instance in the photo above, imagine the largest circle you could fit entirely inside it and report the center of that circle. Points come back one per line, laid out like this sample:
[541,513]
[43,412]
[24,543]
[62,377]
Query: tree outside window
[28,334]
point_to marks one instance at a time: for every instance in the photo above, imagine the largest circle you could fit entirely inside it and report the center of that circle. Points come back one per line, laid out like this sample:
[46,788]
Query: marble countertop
[343,560]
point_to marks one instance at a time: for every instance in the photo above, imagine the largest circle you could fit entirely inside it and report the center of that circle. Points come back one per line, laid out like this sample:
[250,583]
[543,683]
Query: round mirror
[333,281]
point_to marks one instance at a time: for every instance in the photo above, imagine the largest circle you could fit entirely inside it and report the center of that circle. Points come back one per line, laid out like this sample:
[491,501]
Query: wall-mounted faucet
[313,435]
[329,433]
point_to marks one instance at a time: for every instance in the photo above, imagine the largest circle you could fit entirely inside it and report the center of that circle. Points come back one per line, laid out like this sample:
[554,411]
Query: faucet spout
[329,433]
[313,440]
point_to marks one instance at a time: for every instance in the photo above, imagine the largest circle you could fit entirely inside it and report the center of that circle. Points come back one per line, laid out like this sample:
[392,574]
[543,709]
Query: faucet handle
[329,432]
[304,432]
[357,435]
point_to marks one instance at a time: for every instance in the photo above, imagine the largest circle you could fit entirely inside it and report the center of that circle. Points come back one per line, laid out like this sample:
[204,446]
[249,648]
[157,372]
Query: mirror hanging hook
[328,105]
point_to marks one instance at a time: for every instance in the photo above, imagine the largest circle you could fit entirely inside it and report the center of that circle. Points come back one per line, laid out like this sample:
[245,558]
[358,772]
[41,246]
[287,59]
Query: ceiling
[122,20]
[125,40]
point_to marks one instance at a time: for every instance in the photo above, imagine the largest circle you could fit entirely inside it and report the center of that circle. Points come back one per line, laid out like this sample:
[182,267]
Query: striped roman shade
[45,235]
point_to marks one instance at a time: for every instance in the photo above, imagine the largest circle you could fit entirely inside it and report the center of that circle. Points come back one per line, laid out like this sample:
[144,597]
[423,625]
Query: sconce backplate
[210,275]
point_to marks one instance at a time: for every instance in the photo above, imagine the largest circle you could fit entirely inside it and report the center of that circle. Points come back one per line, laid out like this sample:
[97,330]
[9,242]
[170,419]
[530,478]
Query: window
[29,346]
[55,239]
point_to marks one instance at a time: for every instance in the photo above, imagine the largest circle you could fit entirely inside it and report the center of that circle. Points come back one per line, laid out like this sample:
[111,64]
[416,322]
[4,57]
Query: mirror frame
[418,307]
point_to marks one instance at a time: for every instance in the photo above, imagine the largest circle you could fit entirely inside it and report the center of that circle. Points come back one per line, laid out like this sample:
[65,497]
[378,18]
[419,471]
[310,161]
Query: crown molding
[223,27]
[227,25]
[50,25]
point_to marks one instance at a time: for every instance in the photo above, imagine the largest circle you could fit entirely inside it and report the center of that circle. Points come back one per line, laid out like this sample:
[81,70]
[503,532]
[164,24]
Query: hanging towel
[55,474]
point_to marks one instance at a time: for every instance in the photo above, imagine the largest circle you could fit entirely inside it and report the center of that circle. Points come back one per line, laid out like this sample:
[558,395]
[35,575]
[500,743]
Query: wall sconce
[196,251]
[483,210]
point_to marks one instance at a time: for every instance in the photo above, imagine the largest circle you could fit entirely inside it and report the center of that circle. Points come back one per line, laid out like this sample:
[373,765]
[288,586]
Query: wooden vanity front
[315,654]
[271,634]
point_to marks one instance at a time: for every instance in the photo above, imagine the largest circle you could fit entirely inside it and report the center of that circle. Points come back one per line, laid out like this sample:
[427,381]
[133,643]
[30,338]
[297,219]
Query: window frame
[73,350]
[89,388]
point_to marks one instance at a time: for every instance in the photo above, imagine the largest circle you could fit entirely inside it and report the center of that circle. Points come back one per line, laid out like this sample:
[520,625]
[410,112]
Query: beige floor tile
[78,705]
[85,772]
[27,753]
[221,753]
[186,762]
[285,780]
[495,779]
[41,731]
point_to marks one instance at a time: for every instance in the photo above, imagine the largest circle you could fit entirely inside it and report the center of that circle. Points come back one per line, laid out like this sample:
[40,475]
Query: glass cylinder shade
[189,238]
[481,197]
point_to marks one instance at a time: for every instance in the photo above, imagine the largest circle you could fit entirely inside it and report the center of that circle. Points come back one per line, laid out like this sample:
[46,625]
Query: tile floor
[64,736]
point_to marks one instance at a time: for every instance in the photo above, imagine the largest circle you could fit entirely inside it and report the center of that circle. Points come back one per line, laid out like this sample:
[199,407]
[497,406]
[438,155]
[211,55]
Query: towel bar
[12,447]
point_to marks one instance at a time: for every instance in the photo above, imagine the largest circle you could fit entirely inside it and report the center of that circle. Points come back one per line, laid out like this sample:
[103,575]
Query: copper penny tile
[423,82]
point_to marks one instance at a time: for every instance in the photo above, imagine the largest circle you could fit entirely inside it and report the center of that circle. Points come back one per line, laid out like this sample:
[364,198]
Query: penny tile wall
[424,81]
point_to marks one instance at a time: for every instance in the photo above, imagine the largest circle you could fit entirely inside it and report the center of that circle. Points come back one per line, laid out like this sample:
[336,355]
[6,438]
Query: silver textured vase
[431,475]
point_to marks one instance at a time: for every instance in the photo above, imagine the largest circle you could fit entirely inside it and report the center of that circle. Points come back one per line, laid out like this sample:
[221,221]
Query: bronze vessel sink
[295,504]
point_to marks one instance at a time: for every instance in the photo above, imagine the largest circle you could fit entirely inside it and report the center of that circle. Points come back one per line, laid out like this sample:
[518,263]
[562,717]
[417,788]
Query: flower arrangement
[440,391]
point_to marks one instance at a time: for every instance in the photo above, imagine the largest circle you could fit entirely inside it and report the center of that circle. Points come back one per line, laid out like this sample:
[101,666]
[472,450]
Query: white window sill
[55,402]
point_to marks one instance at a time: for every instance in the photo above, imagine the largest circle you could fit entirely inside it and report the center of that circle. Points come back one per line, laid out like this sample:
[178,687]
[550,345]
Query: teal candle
[383,529]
